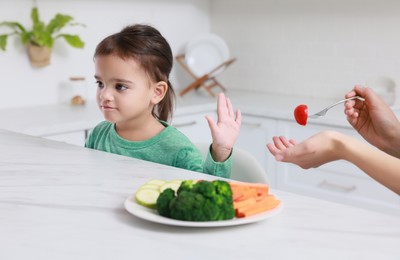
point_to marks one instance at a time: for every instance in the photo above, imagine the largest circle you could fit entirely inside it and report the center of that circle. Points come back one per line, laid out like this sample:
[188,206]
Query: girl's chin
[110,119]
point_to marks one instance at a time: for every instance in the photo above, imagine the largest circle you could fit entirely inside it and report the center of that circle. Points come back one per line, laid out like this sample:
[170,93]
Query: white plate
[151,215]
[204,53]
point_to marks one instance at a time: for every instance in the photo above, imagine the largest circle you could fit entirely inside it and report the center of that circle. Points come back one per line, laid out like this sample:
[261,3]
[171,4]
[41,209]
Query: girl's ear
[160,89]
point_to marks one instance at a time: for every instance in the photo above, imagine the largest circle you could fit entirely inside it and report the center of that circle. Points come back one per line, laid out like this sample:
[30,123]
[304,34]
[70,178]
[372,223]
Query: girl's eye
[99,84]
[120,87]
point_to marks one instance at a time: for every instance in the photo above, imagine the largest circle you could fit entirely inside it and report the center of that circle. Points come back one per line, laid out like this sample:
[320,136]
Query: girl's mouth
[107,107]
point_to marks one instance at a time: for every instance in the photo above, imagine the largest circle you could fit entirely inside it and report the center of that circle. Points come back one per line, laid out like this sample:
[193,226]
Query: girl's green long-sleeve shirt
[170,147]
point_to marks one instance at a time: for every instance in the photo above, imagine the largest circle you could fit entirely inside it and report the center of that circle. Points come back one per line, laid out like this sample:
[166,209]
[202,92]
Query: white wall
[314,48]
[22,85]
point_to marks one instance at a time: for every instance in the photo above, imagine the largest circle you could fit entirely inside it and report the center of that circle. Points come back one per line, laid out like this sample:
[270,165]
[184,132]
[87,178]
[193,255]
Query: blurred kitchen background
[306,48]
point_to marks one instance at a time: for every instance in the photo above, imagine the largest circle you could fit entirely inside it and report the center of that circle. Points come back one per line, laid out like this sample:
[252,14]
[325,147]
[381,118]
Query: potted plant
[41,37]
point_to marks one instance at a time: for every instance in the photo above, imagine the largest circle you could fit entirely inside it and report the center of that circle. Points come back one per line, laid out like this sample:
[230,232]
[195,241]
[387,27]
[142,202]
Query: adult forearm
[382,167]
[392,146]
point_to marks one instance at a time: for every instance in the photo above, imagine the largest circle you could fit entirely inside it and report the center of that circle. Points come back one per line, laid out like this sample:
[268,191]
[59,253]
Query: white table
[59,201]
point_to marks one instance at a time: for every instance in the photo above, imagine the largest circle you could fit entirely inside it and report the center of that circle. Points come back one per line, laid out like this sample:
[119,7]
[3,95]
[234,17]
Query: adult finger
[286,142]
[279,143]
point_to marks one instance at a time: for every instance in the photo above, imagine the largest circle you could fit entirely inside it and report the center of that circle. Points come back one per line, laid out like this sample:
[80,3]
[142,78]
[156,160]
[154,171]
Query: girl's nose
[105,93]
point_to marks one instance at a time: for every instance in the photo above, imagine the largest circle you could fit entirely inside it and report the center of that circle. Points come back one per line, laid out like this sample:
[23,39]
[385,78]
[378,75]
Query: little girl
[135,95]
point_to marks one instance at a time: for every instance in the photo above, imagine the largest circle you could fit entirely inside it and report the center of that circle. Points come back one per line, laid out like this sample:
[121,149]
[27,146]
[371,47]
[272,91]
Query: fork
[323,112]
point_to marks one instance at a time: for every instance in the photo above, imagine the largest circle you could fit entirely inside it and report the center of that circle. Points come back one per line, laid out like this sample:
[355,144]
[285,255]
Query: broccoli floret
[223,188]
[200,201]
[224,199]
[205,188]
[186,185]
[163,202]
[188,206]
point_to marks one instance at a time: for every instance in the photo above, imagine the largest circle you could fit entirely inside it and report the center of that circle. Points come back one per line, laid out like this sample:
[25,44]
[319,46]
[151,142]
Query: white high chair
[245,166]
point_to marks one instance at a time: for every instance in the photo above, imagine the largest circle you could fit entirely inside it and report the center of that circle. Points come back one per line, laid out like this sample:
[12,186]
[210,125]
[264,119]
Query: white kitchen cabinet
[194,126]
[338,181]
[254,134]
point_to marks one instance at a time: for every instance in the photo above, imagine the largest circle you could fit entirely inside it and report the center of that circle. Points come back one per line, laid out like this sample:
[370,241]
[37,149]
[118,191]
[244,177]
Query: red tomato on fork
[301,114]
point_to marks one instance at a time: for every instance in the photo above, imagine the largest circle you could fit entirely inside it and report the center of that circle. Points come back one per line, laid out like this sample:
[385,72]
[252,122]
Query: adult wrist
[392,142]
[341,145]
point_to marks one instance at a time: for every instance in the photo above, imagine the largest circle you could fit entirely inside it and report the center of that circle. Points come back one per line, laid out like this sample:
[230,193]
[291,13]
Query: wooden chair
[208,80]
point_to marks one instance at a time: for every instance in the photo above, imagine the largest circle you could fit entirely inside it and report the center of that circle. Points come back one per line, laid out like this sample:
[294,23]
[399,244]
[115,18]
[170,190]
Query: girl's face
[125,93]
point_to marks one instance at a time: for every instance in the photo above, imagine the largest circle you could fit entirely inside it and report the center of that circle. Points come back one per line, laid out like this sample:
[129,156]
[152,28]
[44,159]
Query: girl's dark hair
[151,50]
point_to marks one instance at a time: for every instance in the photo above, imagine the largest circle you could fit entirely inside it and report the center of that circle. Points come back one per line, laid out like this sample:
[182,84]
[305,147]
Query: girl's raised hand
[225,131]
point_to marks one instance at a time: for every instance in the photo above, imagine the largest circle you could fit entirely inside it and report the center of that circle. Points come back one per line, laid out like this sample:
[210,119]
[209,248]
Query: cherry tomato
[301,114]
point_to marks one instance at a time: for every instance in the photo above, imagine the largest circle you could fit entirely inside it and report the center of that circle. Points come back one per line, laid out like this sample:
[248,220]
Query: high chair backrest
[245,166]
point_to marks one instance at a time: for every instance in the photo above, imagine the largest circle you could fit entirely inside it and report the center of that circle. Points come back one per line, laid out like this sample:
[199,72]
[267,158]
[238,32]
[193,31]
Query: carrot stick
[251,198]
[248,193]
[260,187]
[247,184]
[237,192]
[262,190]
[244,203]
[270,202]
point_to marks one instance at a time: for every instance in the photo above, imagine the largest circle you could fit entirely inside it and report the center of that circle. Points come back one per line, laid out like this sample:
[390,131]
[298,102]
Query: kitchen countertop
[58,118]
[60,201]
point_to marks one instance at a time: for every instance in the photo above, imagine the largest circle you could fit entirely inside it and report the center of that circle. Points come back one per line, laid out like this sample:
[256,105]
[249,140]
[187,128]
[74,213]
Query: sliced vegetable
[301,114]
[267,203]
[172,185]
[147,197]
[243,193]
[156,182]
[251,198]
[178,181]
[147,194]
[244,203]
[150,186]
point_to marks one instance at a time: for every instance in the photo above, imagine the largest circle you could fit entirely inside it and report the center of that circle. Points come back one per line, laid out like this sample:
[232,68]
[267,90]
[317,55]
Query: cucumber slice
[150,186]
[147,197]
[172,184]
[156,182]
[177,181]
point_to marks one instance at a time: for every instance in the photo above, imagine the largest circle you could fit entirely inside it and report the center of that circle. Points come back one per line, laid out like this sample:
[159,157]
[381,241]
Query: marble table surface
[59,201]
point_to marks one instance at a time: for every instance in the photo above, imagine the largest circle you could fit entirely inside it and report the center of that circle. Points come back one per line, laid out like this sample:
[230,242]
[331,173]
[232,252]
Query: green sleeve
[220,169]
[193,160]
[189,159]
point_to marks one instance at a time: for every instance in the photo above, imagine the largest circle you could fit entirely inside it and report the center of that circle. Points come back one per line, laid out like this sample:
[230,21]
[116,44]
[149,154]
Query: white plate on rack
[204,53]
[151,215]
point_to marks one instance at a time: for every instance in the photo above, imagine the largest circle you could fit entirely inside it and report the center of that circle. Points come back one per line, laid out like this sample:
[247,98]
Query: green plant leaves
[42,34]
[35,16]
[73,40]
[58,22]
[15,26]
[3,42]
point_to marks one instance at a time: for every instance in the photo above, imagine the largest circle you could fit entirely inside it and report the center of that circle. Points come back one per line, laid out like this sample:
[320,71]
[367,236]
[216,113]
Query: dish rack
[206,56]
